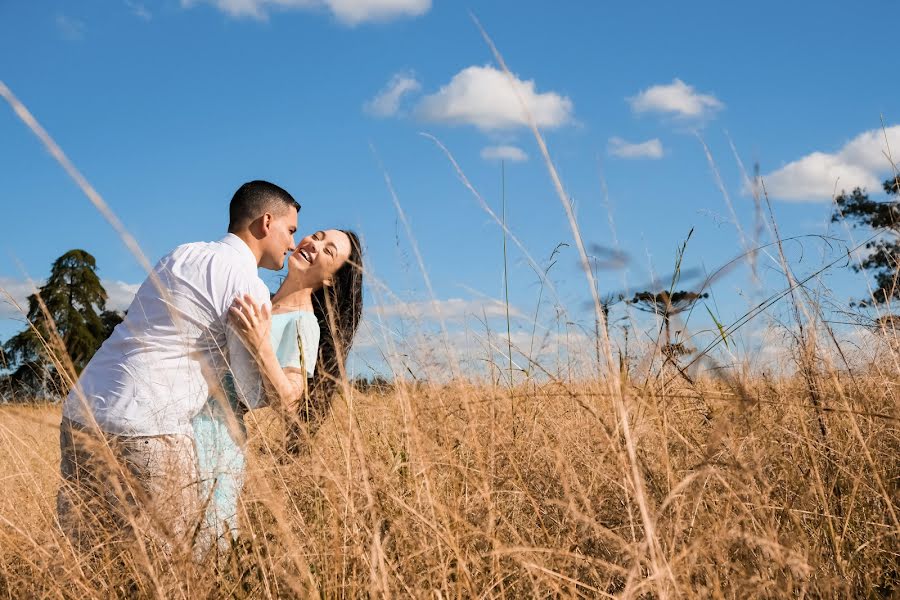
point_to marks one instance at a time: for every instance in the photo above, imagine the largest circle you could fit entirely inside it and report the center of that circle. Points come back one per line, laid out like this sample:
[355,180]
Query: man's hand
[252,321]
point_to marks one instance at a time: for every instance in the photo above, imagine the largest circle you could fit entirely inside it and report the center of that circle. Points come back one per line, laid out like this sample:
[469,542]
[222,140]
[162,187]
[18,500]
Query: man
[128,459]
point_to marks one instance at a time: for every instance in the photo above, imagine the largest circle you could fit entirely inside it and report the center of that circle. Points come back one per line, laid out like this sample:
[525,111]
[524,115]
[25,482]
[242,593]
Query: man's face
[279,240]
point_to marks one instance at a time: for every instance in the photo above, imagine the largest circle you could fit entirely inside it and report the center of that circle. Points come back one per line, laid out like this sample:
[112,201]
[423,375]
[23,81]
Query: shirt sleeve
[308,329]
[289,351]
[300,343]
[248,383]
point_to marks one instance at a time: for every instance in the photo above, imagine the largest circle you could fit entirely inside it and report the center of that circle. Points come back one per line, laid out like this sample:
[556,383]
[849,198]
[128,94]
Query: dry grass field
[732,491]
[604,484]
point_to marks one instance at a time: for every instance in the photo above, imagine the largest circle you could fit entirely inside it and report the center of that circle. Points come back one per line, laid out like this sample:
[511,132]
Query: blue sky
[167,107]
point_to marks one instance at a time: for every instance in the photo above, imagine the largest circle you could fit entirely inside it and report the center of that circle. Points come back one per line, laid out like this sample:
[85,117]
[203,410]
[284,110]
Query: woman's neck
[291,300]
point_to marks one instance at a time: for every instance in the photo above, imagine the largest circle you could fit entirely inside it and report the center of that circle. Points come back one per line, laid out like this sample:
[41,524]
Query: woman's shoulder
[304,320]
[308,323]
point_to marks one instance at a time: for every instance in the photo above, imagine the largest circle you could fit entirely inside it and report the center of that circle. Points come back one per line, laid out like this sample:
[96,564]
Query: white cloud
[354,12]
[486,98]
[452,309]
[649,149]
[378,323]
[474,351]
[16,291]
[861,162]
[348,12]
[138,10]
[772,347]
[677,99]
[509,153]
[387,102]
[119,294]
[69,28]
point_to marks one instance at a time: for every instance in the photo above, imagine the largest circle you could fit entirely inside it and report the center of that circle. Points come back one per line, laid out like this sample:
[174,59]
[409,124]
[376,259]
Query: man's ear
[266,222]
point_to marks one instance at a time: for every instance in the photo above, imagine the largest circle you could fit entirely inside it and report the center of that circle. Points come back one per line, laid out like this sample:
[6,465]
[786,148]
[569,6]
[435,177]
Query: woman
[308,333]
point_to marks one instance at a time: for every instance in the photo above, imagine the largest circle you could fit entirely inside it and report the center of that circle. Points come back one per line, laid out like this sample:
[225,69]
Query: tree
[607,301]
[883,259]
[74,304]
[666,304]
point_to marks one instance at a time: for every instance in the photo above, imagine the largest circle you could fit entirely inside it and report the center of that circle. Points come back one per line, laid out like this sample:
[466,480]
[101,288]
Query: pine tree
[883,259]
[75,305]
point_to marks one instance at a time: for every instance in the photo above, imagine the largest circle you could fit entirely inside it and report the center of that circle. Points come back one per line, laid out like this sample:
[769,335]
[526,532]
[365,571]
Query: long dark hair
[338,308]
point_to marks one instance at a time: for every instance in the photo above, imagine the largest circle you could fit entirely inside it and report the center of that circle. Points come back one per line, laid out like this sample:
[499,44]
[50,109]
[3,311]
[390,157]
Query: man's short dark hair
[254,199]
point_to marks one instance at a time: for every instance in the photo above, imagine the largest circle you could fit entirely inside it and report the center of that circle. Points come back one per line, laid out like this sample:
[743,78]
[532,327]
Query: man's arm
[246,376]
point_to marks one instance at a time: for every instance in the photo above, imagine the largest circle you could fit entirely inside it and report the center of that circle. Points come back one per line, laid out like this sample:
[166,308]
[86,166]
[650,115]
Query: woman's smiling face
[319,256]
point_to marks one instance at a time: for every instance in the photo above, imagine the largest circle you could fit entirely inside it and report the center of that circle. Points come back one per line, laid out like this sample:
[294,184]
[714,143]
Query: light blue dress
[220,434]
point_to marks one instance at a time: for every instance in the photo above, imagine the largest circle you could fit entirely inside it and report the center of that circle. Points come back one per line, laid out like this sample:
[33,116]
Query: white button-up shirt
[162,363]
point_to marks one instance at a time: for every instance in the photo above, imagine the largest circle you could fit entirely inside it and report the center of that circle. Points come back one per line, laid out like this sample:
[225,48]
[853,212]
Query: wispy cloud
[676,99]
[508,153]
[354,12]
[451,309]
[486,98]
[861,162]
[14,295]
[69,28]
[139,10]
[387,102]
[379,321]
[348,12]
[623,149]
[770,347]
[474,349]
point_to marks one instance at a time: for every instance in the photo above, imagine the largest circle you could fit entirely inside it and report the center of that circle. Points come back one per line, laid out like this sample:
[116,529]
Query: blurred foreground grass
[464,490]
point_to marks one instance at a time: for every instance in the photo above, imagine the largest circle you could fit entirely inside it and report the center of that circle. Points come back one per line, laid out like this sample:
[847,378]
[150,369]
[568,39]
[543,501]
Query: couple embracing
[152,438]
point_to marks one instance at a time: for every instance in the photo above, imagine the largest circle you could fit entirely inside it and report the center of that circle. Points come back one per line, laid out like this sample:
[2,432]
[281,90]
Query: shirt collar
[241,246]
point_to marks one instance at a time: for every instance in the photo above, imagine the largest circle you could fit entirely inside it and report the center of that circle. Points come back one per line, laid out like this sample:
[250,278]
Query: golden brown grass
[440,492]
[750,488]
